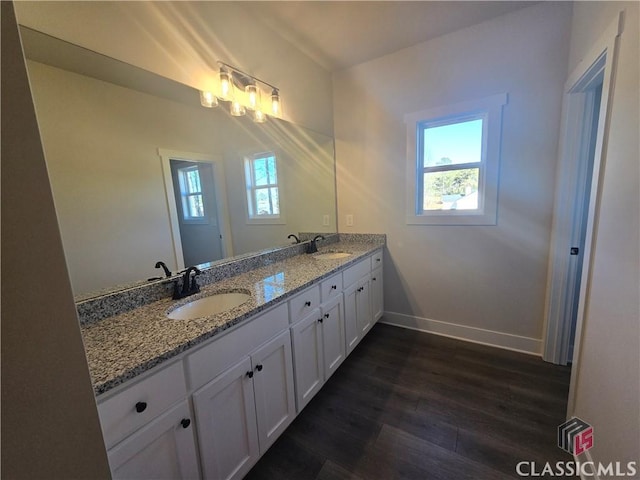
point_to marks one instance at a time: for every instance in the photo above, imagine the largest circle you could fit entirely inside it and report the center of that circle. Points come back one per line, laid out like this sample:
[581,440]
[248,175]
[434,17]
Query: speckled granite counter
[123,346]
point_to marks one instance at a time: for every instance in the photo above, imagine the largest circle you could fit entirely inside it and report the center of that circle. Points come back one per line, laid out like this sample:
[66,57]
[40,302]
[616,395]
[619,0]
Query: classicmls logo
[575,436]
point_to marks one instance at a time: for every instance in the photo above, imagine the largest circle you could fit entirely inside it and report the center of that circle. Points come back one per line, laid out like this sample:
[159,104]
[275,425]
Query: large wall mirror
[142,173]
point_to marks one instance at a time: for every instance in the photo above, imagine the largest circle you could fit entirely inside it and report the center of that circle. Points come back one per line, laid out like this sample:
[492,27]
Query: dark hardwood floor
[409,405]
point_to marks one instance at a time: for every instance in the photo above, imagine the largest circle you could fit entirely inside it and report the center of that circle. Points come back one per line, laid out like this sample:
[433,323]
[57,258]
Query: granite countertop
[123,346]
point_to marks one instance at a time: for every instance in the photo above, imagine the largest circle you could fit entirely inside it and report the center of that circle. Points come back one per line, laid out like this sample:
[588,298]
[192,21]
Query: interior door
[195,197]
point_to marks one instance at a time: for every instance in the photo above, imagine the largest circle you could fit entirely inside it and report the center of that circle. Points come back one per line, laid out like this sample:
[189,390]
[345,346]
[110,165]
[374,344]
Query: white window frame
[250,186]
[490,110]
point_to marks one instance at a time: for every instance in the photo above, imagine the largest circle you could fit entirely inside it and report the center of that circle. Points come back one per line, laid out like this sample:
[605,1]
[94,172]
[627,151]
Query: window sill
[447,217]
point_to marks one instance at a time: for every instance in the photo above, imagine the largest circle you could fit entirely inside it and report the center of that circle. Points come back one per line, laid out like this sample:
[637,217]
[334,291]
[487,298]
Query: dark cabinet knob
[141,407]
[377,259]
[259,367]
[185,422]
[326,315]
[374,279]
[334,287]
[308,304]
[250,374]
[320,320]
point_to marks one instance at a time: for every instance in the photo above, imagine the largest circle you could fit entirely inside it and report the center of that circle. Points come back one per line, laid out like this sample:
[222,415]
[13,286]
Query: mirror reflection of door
[195,196]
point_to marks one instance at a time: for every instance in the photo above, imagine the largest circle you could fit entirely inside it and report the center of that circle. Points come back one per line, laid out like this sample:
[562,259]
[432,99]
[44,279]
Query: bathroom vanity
[205,397]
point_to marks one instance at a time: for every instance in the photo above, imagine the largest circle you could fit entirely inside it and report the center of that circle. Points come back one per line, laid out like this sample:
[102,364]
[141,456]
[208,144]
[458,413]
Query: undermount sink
[203,307]
[332,255]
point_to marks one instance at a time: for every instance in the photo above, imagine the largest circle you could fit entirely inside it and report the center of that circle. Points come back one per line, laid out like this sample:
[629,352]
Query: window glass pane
[275,201]
[196,206]
[453,144]
[271,167]
[452,190]
[260,171]
[193,181]
[263,204]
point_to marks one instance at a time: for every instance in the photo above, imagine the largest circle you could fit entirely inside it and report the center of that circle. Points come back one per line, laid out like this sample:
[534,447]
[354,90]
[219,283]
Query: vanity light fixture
[244,91]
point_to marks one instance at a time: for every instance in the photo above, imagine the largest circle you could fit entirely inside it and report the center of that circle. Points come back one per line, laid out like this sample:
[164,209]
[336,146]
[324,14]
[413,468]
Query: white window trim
[488,198]
[280,219]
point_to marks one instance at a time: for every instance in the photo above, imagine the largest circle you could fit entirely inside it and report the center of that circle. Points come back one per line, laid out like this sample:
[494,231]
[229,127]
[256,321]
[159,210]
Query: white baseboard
[507,341]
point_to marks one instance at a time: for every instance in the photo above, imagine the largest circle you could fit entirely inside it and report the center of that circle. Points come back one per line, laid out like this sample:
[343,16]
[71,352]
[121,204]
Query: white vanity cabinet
[319,342]
[241,412]
[357,302]
[148,428]
[377,293]
[164,448]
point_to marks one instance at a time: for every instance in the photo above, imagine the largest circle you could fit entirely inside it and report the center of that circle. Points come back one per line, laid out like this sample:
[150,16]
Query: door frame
[224,222]
[600,62]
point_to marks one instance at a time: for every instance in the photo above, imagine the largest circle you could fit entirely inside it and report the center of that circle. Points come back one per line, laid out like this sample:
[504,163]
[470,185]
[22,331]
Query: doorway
[585,123]
[195,197]
[197,206]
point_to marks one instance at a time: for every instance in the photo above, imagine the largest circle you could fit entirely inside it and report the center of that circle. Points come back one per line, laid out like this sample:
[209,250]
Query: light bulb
[259,116]
[225,83]
[275,102]
[208,99]
[252,92]
[237,109]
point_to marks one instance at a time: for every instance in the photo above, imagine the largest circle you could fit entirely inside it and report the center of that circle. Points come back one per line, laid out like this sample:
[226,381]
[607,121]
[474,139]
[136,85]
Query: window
[263,192]
[452,163]
[191,193]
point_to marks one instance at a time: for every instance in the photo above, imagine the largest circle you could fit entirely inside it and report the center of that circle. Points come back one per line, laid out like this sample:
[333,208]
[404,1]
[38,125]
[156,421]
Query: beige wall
[50,426]
[485,277]
[608,369]
[101,144]
[183,41]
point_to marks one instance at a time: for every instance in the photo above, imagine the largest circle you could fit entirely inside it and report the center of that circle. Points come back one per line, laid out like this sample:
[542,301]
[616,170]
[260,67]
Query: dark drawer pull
[326,315]
[141,407]
[307,304]
[334,287]
[320,320]
[250,374]
[259,367]
[185,422]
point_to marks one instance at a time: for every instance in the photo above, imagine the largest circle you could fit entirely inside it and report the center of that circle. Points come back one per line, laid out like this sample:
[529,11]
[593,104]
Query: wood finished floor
[408,405]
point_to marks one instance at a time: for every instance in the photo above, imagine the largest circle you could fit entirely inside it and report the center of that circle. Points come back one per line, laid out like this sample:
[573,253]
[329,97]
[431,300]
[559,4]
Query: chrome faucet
[189,284]
[313,247]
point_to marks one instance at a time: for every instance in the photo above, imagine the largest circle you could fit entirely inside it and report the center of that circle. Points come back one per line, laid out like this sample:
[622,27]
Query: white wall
[483,277]
[608,370]
[183,41]
[50,426]
[101,144]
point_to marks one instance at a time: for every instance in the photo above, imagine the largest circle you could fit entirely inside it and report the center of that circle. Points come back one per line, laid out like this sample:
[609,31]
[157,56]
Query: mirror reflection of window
[191,192]
[261,176]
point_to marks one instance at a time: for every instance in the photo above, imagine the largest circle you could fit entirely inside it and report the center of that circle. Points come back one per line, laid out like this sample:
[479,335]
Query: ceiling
[340,34]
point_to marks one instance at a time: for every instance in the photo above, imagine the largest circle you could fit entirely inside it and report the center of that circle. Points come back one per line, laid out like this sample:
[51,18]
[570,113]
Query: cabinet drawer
[221,353]
[376,260]
[331,287]
[303,303]
[356,272]
[130,409]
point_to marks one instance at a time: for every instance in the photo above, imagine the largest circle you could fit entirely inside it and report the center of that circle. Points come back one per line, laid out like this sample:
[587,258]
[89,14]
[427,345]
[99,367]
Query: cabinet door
[377,294]
[274,389]
[227,429]
[363,306]
[164,448]
[352,332]
[307,354]
[333,336]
